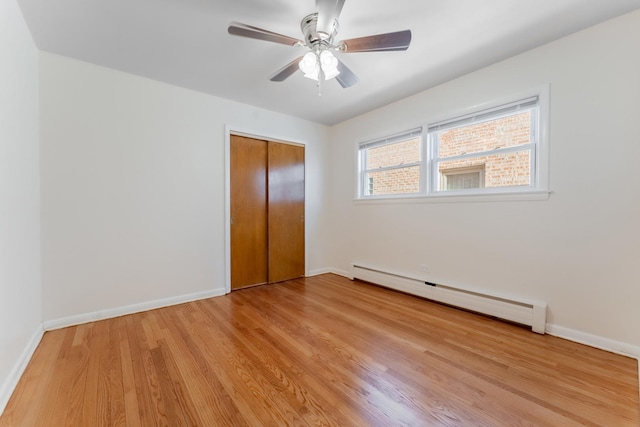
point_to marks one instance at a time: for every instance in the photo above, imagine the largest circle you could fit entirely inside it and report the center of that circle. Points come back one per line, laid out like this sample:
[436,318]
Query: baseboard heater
[519,311]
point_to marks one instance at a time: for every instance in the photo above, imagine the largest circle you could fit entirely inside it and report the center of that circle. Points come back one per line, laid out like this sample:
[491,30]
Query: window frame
[363,181]
[539,168]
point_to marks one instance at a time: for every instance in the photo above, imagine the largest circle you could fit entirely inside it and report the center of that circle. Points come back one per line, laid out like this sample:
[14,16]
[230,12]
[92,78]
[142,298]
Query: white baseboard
[79,319]
[607,344]
[10,384]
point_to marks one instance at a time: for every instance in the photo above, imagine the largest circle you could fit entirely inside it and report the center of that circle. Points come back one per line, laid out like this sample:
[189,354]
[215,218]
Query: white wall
[19,197]
[133,186]
[579,251]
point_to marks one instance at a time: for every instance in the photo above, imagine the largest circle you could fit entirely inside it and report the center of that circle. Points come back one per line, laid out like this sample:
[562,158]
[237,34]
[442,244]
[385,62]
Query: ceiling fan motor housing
[317,40]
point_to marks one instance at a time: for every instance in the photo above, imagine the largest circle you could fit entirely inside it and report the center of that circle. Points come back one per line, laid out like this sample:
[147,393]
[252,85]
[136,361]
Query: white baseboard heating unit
[519,311]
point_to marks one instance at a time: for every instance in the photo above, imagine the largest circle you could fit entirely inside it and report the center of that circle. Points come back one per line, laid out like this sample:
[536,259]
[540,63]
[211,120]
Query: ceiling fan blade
[328,14]
[346,78]
[399,40]
[243,30]
[286,71]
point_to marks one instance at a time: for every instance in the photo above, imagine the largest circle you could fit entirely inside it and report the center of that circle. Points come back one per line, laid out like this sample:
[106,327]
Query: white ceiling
[185,43]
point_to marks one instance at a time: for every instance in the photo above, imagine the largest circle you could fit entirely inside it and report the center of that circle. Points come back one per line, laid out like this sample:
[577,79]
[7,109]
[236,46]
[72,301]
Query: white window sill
[459,198]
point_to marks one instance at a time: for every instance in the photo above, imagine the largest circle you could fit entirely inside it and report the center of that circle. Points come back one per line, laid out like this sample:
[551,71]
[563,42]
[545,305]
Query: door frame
[252,133]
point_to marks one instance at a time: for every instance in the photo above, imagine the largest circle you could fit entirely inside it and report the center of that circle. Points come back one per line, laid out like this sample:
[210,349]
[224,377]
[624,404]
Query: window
[462,178]
[494,150]
[392,166]
[500,142]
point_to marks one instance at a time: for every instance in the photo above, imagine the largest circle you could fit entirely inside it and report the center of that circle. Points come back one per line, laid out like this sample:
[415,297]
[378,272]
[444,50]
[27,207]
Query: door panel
[285,211]
[248,174]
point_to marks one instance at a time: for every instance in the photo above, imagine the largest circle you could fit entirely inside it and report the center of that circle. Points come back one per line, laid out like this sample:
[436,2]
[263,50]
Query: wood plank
[112,365]
[145,380]
[131,409]
[319,351]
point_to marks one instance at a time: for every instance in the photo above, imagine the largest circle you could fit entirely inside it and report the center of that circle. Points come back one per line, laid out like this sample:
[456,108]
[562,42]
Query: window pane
[491,171]
[463,180]
[395,154]
[504,132]
[394,181]
[460,178]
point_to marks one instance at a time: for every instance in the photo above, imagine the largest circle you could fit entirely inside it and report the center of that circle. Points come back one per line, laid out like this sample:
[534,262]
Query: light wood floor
[319,351]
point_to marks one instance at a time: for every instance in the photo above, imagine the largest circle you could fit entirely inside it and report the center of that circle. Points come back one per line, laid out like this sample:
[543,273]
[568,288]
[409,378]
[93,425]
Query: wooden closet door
[285,211]
[248,174]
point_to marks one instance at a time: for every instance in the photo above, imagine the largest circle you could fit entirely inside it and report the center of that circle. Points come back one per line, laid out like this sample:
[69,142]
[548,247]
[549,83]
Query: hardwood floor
[319,351]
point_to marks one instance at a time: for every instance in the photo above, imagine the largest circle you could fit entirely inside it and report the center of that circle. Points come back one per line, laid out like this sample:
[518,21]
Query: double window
[494,150]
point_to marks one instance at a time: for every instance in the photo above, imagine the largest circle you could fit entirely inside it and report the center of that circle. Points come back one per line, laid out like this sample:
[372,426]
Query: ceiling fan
[320,30]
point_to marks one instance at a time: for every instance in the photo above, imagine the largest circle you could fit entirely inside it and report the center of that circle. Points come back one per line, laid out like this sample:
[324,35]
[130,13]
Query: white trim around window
[533,154]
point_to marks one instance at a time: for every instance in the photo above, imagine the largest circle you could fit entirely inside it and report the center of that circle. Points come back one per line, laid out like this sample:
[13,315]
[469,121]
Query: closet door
[248,174]
[285,211]
[267,212]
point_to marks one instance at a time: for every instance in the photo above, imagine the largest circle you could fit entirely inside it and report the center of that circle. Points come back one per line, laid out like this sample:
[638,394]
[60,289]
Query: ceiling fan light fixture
[309,63]
[329,64]
[332,74]
[313,75]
